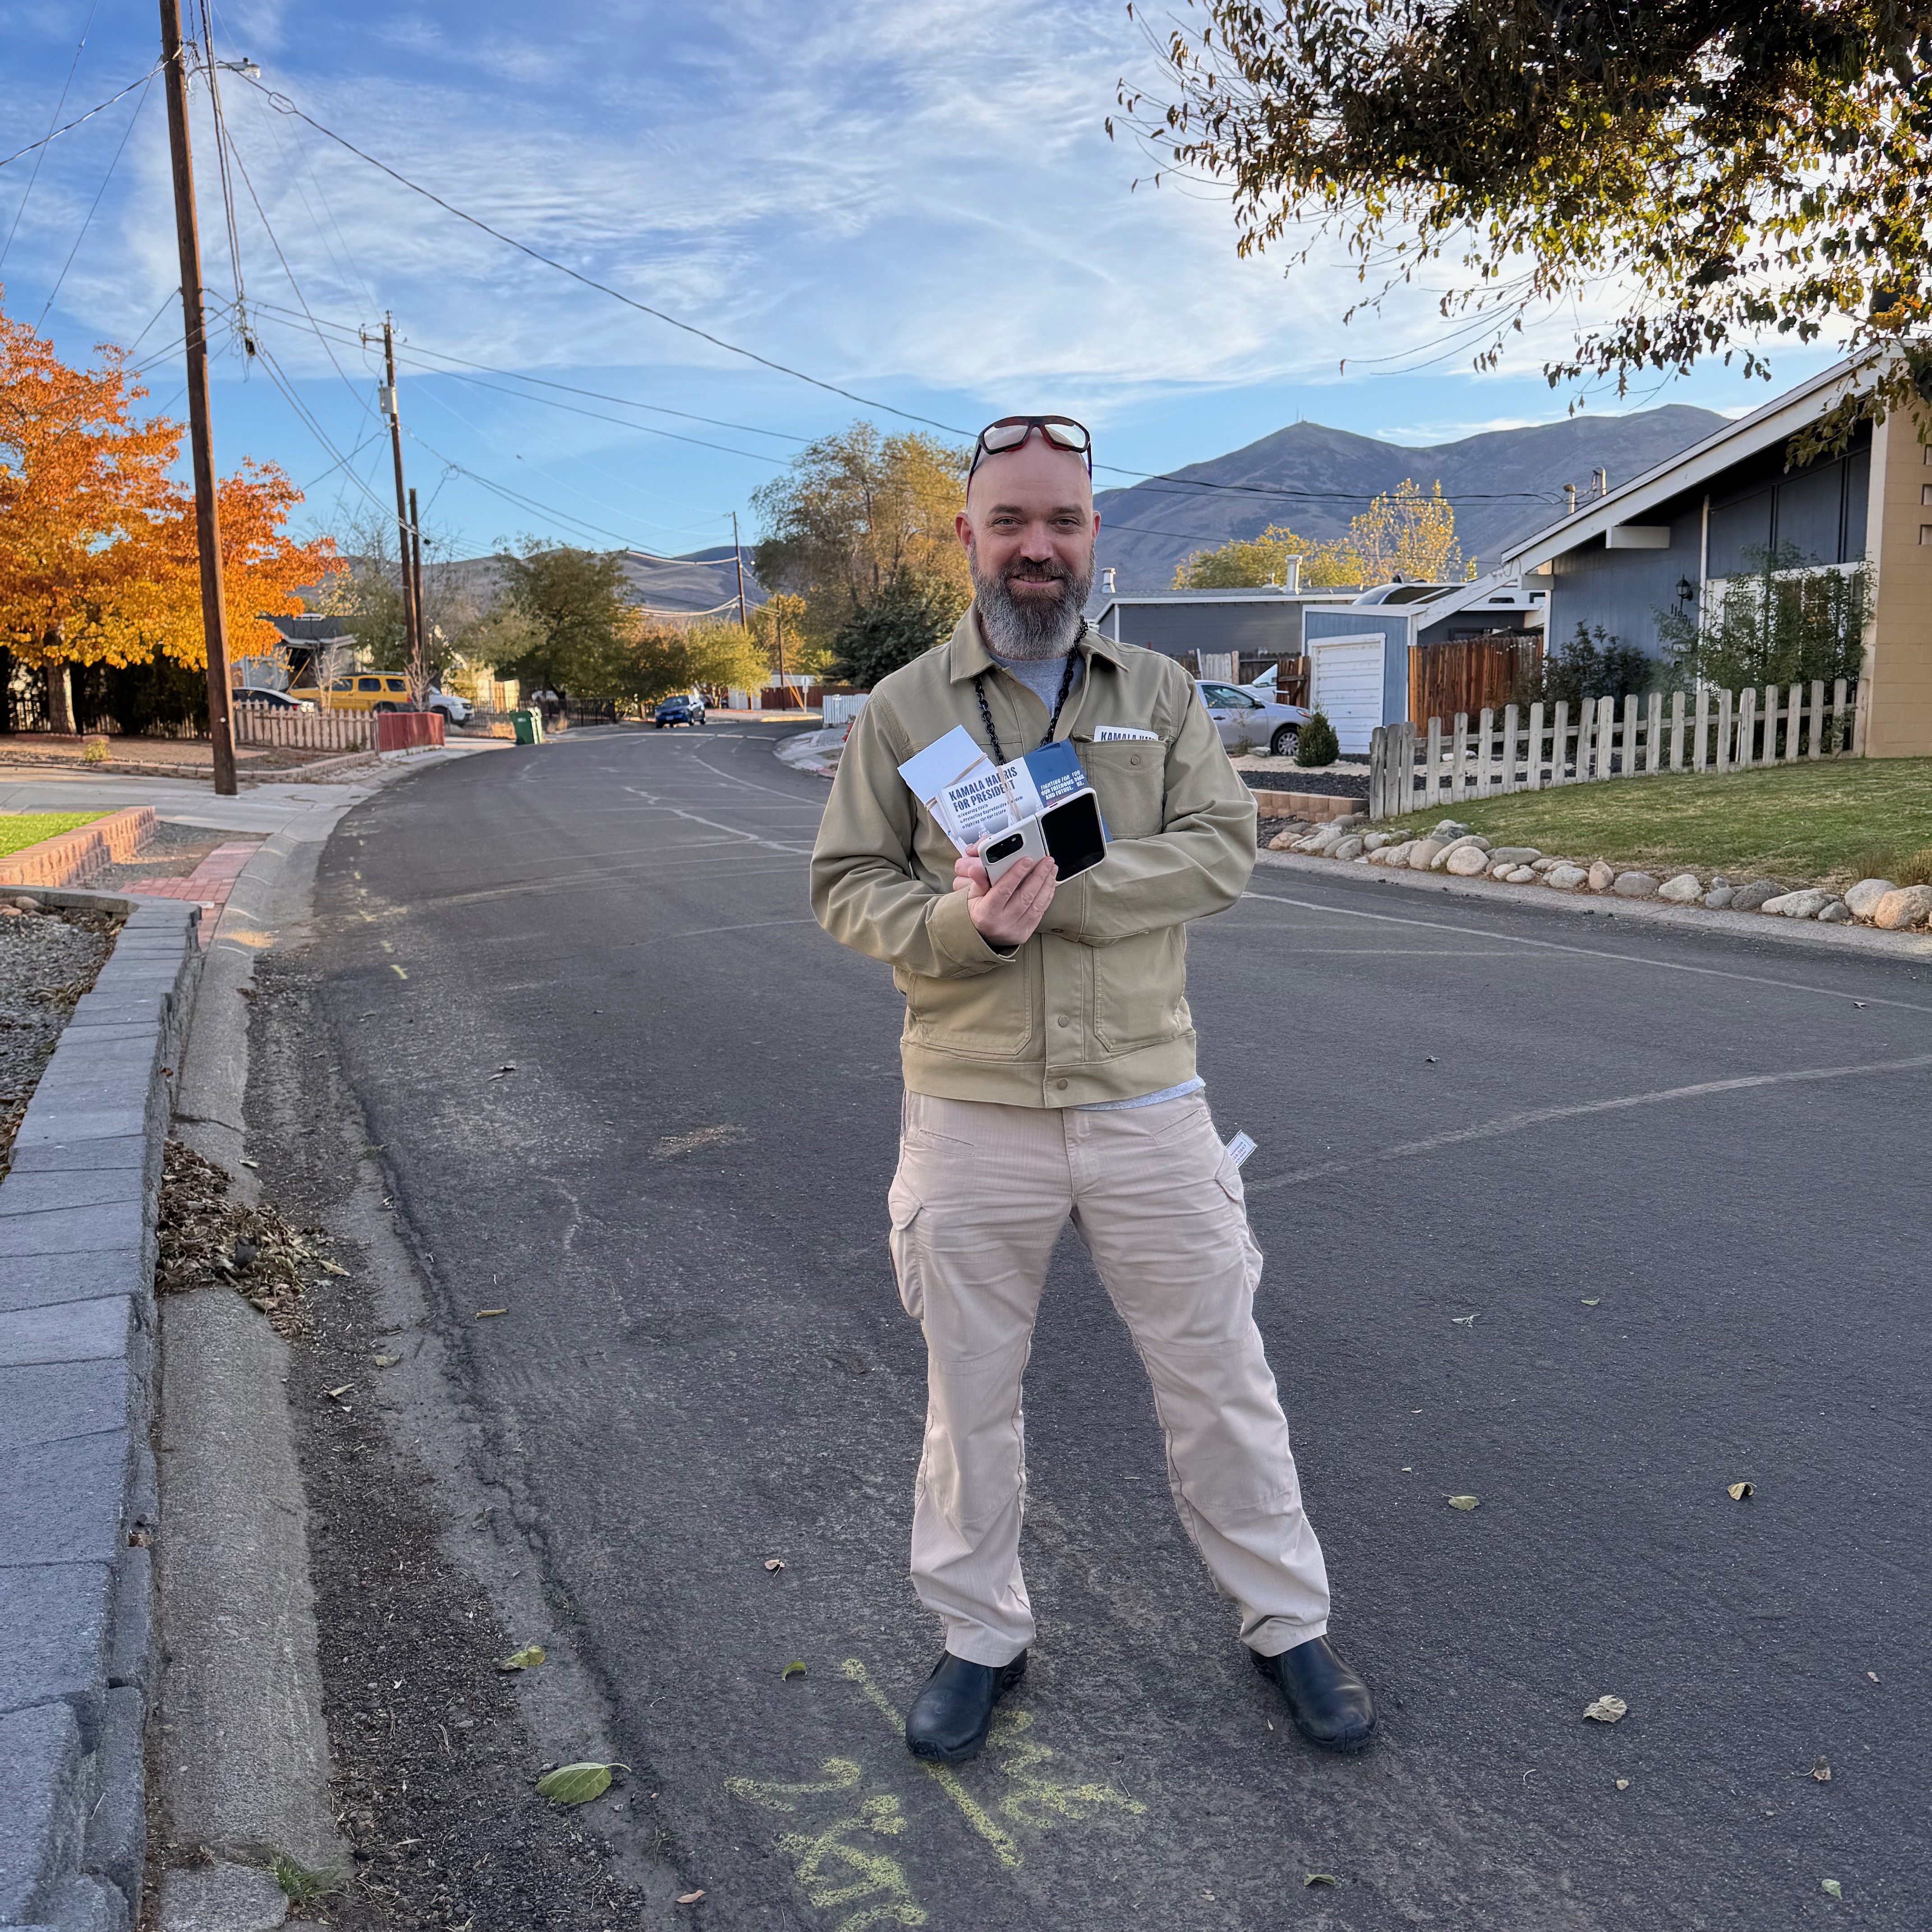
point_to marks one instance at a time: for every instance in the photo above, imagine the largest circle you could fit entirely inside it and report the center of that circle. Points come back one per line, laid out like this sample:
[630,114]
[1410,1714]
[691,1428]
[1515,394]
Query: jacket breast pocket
[1130,776]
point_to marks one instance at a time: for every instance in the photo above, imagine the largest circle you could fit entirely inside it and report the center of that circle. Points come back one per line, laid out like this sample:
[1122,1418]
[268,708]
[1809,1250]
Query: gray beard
[1029,631]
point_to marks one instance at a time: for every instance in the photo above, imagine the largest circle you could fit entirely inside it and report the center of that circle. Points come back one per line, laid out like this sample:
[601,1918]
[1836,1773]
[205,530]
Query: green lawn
[19,830]
[1836,822]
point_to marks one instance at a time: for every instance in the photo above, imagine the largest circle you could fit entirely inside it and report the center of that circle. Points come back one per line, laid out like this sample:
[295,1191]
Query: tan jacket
[1094,1006]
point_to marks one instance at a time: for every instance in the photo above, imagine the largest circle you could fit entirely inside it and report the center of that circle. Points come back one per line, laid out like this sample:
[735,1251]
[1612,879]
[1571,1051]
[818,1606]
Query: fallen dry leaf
[1623,1784]
[330,1267]
[1607,1709]
[772,1563]
[1590,1301]
[1872,1674]
[337,1394]
[576,1783]
[1319,1878]
[689,1897]
[1737,1491]
[1831,1886]
[1463,1321]
[484,1313]
[1464,1502]
[793,1668]
[1821,1771]
[528,1658]
[387,1361]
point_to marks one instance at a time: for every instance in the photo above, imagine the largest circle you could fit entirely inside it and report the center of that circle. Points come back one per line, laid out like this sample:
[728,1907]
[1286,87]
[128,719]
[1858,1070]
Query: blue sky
[915,201]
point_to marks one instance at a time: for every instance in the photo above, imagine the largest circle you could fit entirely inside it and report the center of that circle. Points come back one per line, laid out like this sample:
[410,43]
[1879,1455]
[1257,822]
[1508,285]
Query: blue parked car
[683,707]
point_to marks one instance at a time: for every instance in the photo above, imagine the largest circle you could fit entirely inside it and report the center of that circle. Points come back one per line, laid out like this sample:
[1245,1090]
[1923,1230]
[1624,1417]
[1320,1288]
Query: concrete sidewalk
[263,808]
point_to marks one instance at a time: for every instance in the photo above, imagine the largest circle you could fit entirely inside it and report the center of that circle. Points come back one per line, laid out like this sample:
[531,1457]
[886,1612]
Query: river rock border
[1452,848]
[78,1499]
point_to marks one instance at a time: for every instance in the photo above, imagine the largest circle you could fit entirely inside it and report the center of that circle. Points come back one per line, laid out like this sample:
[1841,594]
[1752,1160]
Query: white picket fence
[304,730]
[1706,731]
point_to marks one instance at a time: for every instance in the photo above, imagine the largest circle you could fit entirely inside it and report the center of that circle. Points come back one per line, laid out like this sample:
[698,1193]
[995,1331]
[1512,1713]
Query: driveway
[1587,1224]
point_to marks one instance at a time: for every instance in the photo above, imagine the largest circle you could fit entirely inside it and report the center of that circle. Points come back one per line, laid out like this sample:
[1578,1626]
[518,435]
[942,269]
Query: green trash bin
[529,728]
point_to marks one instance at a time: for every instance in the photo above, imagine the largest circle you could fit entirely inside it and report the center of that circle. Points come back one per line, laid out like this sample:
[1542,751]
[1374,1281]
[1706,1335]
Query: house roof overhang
[1777,421]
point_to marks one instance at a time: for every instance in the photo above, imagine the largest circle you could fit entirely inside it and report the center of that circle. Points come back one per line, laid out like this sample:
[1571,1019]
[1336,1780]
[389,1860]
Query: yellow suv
[367,691]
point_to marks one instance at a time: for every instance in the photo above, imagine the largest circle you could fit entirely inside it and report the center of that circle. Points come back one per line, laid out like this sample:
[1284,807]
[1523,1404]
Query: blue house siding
[1360,622]
[1819,510]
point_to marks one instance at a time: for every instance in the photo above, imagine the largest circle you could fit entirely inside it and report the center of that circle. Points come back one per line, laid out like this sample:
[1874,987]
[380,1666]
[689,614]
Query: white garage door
[1347,681]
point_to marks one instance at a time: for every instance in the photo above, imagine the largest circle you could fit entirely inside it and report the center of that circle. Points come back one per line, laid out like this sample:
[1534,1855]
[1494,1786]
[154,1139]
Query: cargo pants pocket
[904,1206]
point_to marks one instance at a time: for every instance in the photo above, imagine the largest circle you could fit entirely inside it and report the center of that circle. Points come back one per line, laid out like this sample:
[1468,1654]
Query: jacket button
[1063,1021]
[1061,1085]
[1133,757]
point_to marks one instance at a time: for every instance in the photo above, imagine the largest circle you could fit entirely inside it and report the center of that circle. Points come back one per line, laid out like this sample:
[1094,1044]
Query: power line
[27,193]
[46,140]
[283,104]
[94,207]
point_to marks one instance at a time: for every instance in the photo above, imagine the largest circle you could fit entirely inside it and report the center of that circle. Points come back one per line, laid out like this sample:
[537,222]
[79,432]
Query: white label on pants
[1240,1147]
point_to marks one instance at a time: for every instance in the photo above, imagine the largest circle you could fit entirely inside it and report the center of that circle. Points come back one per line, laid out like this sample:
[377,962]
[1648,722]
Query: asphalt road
[678,1195]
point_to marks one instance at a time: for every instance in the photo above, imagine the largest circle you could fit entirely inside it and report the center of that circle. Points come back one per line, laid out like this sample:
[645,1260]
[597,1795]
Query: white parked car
[1248,723]
[452,704]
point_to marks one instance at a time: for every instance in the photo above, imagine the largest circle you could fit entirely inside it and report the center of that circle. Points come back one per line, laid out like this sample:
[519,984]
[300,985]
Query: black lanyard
[1052,724]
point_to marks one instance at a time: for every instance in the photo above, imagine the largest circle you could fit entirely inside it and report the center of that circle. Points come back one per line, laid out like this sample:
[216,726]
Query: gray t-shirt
[1042,676]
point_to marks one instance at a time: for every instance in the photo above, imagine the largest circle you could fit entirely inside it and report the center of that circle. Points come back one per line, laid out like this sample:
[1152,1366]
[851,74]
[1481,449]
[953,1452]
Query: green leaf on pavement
[1607,1709]
[1319,1878]
[528,1658]
[794,1669]
[1737,1491]
[1464,1502]
[576,1783]
[1590,1301]
[1832,1885]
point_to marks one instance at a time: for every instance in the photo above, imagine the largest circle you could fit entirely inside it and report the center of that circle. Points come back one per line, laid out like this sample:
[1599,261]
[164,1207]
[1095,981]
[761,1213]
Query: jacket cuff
[958,942]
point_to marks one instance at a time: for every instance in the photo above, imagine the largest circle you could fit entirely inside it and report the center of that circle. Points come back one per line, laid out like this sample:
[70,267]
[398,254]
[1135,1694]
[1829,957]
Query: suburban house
[1668,540]
[1265,621]
[1362,654]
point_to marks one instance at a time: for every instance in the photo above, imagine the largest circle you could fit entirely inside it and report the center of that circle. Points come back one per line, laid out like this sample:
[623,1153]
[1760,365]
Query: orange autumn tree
[98,557]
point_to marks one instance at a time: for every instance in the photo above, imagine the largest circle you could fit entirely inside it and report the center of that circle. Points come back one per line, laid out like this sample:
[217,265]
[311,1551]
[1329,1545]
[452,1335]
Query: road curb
[245,1756]
[1800,935]
[78,1496]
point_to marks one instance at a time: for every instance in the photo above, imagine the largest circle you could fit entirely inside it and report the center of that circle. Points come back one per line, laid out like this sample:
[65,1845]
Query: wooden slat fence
[304,730]
[1467,674]
[1413,770]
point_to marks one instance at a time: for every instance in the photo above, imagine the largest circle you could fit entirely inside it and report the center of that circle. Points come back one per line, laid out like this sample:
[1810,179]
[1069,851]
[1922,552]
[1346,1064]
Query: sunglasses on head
[1009,432]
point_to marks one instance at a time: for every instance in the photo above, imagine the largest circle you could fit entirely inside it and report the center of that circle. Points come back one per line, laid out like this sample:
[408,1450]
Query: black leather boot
[1330,1704]
[950,1717]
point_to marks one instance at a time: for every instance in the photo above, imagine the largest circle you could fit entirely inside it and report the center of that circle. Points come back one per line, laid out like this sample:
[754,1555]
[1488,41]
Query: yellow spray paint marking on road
[1043,1802]
[832,1872]
[944,1776]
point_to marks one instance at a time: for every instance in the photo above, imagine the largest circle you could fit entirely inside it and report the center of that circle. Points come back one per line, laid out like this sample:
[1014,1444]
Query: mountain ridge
[1503,483]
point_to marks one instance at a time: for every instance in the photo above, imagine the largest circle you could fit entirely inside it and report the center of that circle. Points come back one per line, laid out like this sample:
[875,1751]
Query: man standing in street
[1048,1060]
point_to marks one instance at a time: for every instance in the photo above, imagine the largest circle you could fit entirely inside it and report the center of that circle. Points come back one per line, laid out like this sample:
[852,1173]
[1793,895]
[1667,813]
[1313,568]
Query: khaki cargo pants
[981,1195]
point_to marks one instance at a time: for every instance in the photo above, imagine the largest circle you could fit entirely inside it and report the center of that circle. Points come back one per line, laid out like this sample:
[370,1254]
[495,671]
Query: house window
[1925,533]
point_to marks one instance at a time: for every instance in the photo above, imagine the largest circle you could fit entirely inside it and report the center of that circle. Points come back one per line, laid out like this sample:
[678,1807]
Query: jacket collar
[967,657]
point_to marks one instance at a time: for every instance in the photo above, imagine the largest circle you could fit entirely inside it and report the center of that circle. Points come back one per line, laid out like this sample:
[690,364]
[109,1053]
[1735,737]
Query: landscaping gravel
[1331,783]
[47,960]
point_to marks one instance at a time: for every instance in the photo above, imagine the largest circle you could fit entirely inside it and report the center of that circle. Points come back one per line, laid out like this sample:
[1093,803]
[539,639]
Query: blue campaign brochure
[972,798]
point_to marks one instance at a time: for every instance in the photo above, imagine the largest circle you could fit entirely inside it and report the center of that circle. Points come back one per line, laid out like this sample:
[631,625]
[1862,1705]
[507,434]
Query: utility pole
[412,616]
[738,554]
[207,520]
[419,657]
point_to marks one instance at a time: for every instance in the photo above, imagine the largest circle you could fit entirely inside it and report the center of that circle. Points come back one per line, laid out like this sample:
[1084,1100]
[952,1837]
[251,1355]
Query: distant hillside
[705,579]
[1503,484]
